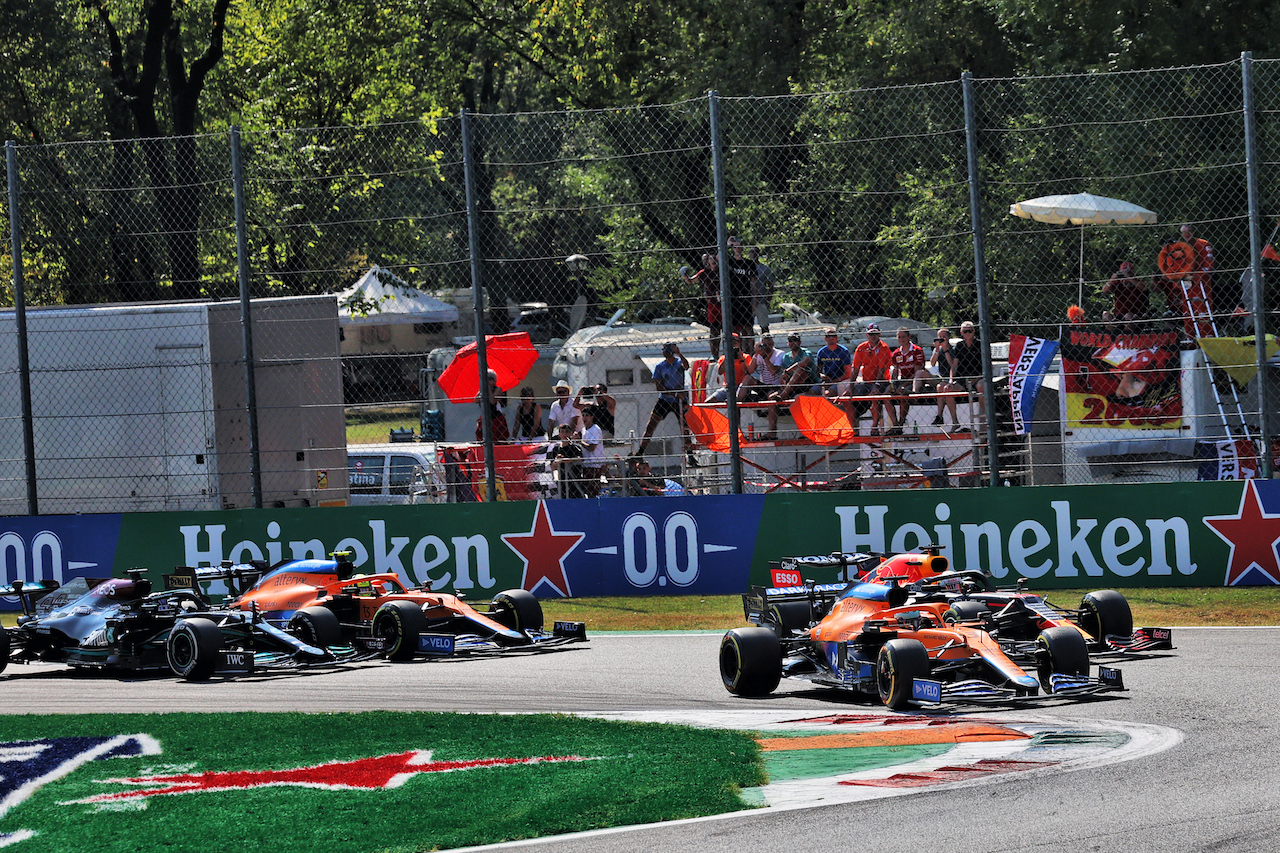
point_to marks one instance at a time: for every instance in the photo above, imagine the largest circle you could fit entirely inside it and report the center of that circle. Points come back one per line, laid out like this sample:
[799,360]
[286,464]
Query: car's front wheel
[898,664]
[1062,650]
[517,609]
[1104,613]
[193,648]
[398,624]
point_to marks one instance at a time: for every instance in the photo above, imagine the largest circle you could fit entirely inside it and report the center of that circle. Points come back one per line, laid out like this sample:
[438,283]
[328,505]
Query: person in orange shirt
[1202,265]
[870,374]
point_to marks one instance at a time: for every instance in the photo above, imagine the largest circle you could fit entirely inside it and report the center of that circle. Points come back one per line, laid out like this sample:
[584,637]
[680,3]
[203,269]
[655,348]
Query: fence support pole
[20,318]
[980,276]
[1255,257]
[246,320]
[477,291]
[726,298]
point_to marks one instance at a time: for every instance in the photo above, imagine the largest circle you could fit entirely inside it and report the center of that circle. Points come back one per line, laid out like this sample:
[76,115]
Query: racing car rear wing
[238,577]
[29,593]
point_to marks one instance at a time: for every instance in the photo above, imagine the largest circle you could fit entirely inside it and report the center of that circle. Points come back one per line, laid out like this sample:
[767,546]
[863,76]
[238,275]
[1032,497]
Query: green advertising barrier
[1170,534]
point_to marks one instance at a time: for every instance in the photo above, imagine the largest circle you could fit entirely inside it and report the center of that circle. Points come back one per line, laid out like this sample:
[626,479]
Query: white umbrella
[1083,209]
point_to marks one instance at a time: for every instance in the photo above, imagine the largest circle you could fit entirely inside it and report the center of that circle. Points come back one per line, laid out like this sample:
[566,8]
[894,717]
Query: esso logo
[785,577]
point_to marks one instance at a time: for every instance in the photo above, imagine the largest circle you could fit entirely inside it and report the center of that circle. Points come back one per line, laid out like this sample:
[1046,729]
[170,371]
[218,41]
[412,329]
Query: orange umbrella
[821,421]
[510,356]
[710,428]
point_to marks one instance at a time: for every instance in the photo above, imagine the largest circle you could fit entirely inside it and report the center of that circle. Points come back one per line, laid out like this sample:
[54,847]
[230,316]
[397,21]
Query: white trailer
[142,407]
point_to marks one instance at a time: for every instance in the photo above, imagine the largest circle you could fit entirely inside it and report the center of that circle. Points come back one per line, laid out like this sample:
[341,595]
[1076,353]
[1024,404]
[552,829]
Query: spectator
[498,428]
[834,362]
[765,380]
[606,405]
[1202,262]
[563,411]
[799,371]
[742,367]
[966,370]
[668,377]
[640,479]
[564,459]
[708,278]
[1128,294]
[742,284]
[907,372]
[763,294]
[943,363]
[870,372]
[528,417]
[592,452]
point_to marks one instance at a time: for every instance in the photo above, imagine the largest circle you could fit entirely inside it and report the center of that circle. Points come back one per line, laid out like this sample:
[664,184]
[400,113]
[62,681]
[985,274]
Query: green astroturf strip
[789,765]
[644,772]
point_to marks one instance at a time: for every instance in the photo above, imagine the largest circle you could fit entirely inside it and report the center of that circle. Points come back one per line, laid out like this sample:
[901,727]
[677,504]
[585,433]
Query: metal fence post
[1255,255]
[477,289]
[980,274]
[20,319]
[726,310]
[246,319]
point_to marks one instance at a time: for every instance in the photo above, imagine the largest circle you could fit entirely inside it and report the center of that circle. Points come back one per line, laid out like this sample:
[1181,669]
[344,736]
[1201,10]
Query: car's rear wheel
[789,617]
[898,664]
[193,647]
[398,624]
[1105,612]
[517,609]
[965,611]
[751,661]
[1061,649]
[4,648]
[316,626]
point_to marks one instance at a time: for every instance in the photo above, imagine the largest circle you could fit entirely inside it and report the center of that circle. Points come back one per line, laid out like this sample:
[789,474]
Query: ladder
[1200,324]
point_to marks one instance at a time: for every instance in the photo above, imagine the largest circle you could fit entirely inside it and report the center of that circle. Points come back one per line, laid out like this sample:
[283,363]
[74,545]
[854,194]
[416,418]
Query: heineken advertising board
[1175,534]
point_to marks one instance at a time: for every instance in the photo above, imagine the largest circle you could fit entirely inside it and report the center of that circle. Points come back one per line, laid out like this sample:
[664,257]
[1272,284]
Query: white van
[397,473]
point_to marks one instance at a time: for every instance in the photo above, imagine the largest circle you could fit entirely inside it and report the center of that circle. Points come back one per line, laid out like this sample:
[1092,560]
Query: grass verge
[1180,606]
[635,773]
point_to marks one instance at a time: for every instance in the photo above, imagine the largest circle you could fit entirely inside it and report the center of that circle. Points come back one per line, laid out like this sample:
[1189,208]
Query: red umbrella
[510,356]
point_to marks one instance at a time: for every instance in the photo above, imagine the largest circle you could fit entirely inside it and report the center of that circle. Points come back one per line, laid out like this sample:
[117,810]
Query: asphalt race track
[1218,789]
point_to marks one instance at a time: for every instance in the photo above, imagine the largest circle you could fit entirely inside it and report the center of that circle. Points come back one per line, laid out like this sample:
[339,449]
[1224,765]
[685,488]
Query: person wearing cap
[870,372]
[563,411]
[565,461]
[835,363]
[966,368]
[668,377]
[1128,292]
[799,371]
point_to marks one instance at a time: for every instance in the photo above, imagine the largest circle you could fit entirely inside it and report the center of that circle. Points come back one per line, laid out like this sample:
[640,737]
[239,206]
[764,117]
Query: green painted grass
[644,772]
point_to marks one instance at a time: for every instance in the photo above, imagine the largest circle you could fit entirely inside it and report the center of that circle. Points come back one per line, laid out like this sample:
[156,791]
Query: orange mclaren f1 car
[866,638]
[327,603]
[1012,614]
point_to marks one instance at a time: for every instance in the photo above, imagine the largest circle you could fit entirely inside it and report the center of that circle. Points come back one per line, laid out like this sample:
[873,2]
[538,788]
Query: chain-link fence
[607,236]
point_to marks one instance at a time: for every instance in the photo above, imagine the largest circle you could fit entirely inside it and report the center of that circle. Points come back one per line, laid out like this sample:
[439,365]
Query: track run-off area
[1187,759]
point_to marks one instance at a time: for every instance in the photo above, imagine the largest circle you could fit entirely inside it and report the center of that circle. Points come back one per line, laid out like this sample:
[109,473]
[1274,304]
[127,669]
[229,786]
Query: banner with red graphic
[1121,381]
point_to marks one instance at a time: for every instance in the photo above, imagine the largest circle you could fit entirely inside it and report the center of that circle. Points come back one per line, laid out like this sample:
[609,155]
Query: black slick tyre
[1105,612]
[1061,649]
[789,617]
[965,611]
[751,661]
[398,624]
[193,647]
[4,648]
[517,609]
[900,662]
[316,626]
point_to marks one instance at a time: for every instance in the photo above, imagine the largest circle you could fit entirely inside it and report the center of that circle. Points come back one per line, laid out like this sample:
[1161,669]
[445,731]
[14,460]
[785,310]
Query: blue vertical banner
[1029,360]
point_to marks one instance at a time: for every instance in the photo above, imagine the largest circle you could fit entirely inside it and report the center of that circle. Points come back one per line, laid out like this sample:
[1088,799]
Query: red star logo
[1252,535]
[384,771]
[543,551]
